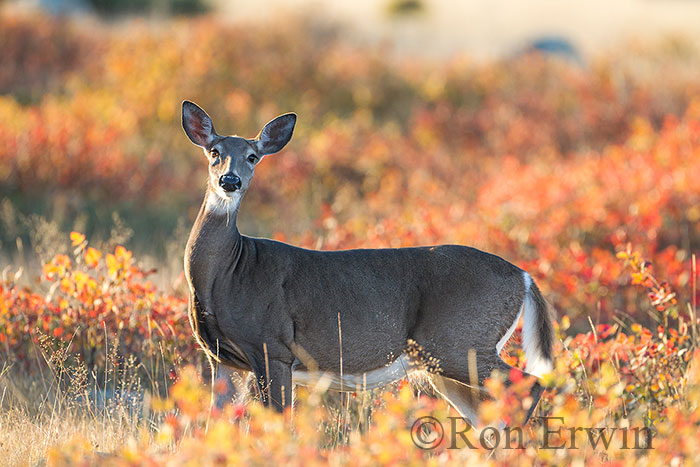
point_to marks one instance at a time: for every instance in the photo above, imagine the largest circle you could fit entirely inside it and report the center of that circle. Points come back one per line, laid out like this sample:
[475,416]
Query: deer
[364,317]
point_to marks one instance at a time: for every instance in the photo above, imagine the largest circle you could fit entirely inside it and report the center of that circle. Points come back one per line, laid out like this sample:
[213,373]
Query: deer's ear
[197,124]
[276,134]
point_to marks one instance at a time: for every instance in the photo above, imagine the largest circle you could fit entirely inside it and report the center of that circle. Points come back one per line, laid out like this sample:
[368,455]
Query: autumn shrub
[585,176]
[105,133]
[99,310]
[614,377]
[609,385]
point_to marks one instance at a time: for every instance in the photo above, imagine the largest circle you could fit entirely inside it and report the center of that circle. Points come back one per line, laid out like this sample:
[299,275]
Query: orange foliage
[92,301]
[556,167]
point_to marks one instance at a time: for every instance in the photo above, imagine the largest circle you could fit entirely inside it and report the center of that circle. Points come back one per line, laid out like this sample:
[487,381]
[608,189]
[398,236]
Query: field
[584,174]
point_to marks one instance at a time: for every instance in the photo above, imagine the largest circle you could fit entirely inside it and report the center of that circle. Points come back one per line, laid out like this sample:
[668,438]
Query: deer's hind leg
[465,399]
[274,383]
[465,390]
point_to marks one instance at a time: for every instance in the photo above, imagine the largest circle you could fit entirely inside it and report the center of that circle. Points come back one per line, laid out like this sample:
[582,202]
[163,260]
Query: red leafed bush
[556,167]
[95,300]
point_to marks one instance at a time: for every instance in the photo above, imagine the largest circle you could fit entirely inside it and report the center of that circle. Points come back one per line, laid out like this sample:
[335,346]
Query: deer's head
[232,159]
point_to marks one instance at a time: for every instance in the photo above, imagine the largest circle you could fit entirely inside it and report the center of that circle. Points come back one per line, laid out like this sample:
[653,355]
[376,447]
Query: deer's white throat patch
[222,203]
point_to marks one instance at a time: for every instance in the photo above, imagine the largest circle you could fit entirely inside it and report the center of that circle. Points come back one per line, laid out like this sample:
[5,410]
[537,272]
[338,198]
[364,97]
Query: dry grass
[57,400]
[25,439]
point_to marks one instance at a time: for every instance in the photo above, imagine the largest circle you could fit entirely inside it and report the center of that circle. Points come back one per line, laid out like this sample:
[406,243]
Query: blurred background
[494,124]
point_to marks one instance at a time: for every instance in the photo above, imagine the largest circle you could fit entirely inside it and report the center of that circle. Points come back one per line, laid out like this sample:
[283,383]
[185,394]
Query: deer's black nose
[230,182]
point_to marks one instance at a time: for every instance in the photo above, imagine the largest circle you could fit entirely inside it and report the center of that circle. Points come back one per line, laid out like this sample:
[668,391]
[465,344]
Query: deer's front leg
[274,384]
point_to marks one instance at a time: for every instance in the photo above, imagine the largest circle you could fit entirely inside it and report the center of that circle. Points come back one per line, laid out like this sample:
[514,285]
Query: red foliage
[92,303]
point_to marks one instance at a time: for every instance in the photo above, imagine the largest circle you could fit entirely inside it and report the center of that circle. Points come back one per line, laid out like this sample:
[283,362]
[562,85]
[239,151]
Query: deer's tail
[538,331]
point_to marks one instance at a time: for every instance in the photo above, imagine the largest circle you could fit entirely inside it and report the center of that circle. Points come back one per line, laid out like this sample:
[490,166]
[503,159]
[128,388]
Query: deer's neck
[214,246]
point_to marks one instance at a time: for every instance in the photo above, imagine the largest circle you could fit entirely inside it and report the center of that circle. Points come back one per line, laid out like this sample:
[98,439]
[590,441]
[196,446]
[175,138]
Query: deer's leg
[274,384]
[535,391]
[535,394]
[461,380]
[463,398]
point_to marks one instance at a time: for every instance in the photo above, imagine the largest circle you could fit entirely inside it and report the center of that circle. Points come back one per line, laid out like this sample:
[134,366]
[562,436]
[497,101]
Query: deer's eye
[252,159]
[214,153]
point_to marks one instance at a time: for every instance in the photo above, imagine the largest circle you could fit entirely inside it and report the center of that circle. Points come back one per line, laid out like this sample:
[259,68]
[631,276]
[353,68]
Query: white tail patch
[509,333]
[537,364]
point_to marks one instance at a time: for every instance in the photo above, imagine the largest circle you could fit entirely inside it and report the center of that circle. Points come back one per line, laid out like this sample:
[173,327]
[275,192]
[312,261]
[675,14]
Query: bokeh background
[429,96]
[562,136]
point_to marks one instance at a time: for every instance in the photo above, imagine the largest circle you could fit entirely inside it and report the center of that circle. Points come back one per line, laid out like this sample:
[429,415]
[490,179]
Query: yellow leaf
[92,257]
[565,323]
[608,377]
[77,238]
[122,253]
[112,264]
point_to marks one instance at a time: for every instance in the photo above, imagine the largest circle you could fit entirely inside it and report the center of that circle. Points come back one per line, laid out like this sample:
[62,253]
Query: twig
[267,373]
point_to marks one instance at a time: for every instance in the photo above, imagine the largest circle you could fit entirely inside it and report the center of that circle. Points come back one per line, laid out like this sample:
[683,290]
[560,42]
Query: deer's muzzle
[230,183]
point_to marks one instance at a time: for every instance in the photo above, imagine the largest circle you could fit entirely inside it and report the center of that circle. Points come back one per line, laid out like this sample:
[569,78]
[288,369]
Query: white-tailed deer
[278,310]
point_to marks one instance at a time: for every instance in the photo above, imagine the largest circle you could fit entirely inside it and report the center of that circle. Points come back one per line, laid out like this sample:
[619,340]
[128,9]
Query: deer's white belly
[399,368]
